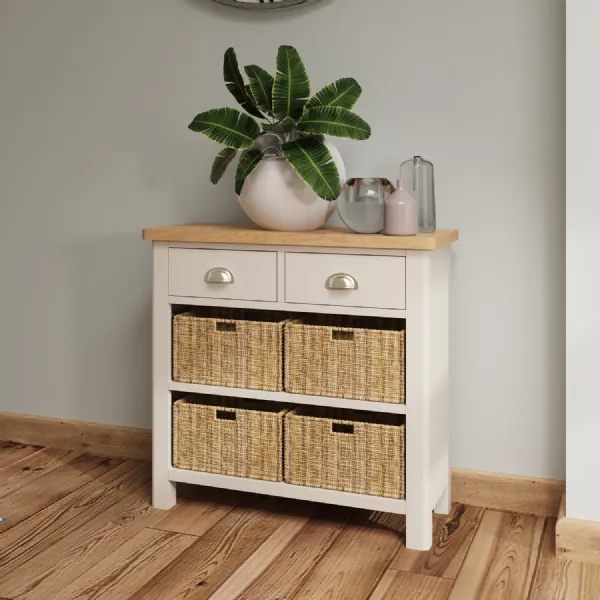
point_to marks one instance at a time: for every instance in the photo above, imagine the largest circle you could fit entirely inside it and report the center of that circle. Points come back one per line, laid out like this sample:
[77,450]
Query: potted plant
[289,174]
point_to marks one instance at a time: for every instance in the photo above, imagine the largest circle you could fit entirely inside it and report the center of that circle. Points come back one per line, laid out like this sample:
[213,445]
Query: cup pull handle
[341,281]
[219,275]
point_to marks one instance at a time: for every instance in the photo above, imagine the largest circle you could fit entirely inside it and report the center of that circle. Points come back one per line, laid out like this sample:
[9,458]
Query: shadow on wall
[111,313]
[157,153]
[180,174]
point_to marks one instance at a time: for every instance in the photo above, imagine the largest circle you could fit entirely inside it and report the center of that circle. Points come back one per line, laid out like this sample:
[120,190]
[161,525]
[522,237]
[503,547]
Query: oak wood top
[329,237]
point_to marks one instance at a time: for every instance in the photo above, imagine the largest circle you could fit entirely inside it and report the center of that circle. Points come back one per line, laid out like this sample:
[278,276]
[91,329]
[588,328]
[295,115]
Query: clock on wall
[263,4]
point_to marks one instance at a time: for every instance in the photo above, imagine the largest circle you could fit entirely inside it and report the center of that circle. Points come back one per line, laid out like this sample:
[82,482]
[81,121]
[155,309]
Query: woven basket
[231,352]
[228,436]
[346,362]
[344,450]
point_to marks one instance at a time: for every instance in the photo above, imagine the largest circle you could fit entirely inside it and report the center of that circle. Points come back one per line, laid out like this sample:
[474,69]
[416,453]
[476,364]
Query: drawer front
[373,282]
[227,274]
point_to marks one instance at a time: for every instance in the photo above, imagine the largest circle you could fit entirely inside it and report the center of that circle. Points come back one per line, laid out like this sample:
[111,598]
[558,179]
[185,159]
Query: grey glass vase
[417,178]
[362,203]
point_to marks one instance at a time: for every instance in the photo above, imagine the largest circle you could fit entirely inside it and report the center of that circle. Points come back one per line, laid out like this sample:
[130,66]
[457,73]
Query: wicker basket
[229,436]
[345,450]
[231,352]
[346,362]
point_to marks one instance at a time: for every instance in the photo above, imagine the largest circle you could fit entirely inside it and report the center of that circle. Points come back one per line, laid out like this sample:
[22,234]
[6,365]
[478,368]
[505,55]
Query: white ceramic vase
[275,197]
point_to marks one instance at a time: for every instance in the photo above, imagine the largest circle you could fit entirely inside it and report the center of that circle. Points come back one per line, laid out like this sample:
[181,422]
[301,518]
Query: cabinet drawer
[227,274]
[379,281]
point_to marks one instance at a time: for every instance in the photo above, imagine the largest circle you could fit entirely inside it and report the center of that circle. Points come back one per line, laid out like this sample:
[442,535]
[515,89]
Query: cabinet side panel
[418,489]
[163,491]
[438,383]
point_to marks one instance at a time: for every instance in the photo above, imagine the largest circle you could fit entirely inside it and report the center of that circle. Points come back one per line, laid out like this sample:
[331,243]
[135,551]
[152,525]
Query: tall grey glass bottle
[417,179]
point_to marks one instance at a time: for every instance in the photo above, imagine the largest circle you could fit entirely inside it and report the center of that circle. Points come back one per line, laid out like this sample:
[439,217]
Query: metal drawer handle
[219,275]
[341,281]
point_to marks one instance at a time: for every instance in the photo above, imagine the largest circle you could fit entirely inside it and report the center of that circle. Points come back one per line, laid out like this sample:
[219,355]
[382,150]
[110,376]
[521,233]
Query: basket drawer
[345,362]
[228,436]
[349,451]
[242,353]
[227,274]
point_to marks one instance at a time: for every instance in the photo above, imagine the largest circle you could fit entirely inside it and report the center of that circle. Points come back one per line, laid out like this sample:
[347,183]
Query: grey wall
[94,103]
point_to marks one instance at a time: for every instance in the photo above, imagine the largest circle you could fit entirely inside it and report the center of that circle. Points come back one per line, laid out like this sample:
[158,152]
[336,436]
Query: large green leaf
[250,96]
[311,159]
[335,121]
[227,126]
[235,83]
[221,163]
[248,163]
[343,92]
[291,88]
[261,85]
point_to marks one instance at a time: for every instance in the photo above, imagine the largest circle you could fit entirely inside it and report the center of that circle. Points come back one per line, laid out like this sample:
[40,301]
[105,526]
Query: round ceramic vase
[275,197]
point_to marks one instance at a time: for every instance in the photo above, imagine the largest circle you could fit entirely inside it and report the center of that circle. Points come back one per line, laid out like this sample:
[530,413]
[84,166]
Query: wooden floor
[80,527]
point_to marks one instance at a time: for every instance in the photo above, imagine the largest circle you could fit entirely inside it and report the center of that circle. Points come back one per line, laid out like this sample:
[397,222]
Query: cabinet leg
[444,504]
[419,530]
[164,493]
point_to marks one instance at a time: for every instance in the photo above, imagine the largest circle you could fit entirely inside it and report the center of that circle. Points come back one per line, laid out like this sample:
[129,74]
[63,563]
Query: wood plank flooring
[80,527]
